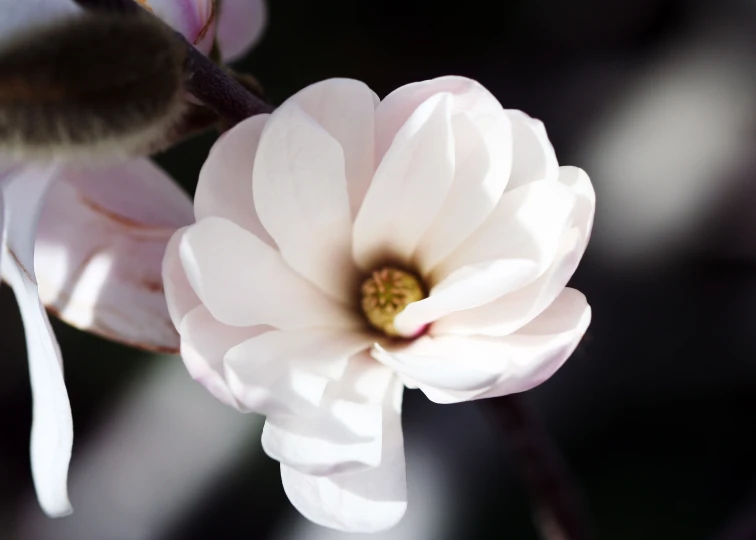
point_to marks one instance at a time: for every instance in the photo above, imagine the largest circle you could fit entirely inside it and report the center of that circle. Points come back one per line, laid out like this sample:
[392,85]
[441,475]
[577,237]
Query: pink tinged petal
[534,157]
[345,109]
[20,16]
[288,372]
[483,157]
[503,316]
[240,26]
[179,295]
[409,187]
[194,19]
[344,432]
[100,245]
[513,247]
[52,426]
[225,181]
[364,501]
[300,190]
[244,282]
[204,343]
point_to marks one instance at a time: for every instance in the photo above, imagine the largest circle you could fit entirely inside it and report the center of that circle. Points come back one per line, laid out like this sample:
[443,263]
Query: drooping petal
[244,282]
[366,501]
[344,432]
[19,17]
[345,108]
[225,181]
[534,157]
[288,371]
[52,426]
[194,19]
[100,245]
[300,191]
[204,343]
[512,311]
[240,25]
[409,186]
[513,247]
[449,369]
[483,157]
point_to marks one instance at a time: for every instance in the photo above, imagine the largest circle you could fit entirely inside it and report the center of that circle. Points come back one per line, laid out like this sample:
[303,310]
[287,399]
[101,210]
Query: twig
[558,512]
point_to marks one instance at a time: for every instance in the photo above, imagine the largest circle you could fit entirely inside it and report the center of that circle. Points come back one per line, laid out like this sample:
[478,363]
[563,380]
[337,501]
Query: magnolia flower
[87,242]
[347,247]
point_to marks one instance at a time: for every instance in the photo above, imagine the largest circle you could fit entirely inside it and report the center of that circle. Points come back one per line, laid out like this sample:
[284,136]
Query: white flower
[340,221]
[88,242]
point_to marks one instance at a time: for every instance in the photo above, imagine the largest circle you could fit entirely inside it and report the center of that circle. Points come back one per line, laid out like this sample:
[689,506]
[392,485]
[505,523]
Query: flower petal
[409,187]
[21,16]
[225,181]
[288,371]
[450,369]
[300,190]
[506,314]
[52,427]
[344,432]
[240,25]
[100,245]
[366,501]
[483,157]
[534,157]
[194,19]
[345,108]
[514,246]
[244,282]
[179,295]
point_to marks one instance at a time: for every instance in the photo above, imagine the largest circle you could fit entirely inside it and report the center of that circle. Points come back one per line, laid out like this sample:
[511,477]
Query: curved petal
[21,16]
[286,372]
[204,343]
[409,186]
[179,295]
[240,25]
[225,181]
[100,245]
[365,501]
[300,190]
[244,282]
[194,19]
[483,157]
[534,157]
[450,369]
[345,108]
[52,427]
[504,315]
[344,432]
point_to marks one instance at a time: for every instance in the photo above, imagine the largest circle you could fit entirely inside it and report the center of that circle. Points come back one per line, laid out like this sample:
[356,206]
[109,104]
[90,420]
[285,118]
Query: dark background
[656,100]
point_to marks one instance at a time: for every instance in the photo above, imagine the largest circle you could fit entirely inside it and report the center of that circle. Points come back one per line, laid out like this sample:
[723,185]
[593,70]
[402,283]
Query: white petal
[409,187]
[52,426]
[362,501]
[100,245]
[179,295]
[225,181]
[194,19]
[240,25]
[345,108]
[534,157]
[512,311]
[344,432]
[204,343]
[288,371]
[300,190]
[450,369]
[244,282]
[483,157]
[21,16]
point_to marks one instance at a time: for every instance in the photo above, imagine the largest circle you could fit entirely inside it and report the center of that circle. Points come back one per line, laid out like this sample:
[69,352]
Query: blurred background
[654,413]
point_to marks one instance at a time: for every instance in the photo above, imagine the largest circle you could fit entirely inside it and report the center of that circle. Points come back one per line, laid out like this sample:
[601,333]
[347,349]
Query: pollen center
[385,294]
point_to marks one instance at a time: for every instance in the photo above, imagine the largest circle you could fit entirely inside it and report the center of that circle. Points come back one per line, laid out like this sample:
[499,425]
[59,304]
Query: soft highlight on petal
[534,157]
[240,25]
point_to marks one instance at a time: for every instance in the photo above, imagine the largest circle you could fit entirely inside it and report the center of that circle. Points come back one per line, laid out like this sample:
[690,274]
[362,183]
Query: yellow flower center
[385,294]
